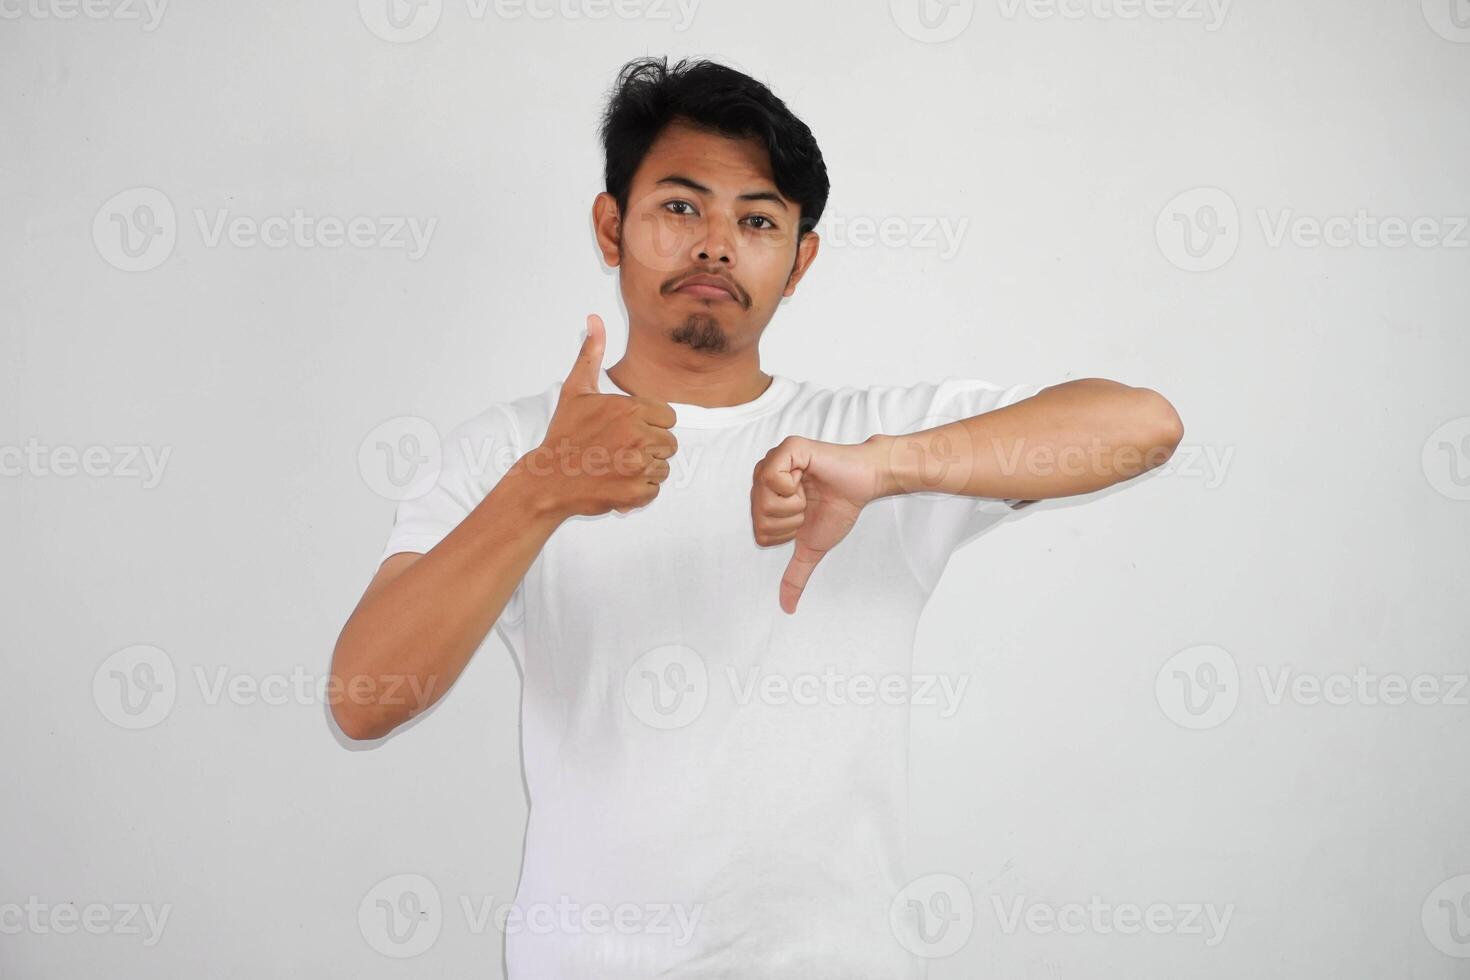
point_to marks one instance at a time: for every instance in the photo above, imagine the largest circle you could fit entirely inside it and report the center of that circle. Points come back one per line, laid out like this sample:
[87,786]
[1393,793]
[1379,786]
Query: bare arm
[1069,439]
[423,616]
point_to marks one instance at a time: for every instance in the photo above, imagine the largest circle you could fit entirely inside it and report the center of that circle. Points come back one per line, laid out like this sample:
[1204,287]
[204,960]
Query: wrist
[537,491]
[884,461]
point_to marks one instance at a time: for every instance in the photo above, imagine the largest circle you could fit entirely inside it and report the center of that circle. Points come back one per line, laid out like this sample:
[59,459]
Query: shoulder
[481,448]
[511,420]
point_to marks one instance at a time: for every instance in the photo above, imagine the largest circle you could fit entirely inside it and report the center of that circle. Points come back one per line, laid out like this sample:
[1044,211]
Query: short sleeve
[932,525]
[473,458]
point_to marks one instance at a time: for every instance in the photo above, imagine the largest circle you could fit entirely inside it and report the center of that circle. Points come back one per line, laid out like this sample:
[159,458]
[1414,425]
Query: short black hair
[649,94]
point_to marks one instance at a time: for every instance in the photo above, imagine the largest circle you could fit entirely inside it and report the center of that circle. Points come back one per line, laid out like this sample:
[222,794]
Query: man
[693,813]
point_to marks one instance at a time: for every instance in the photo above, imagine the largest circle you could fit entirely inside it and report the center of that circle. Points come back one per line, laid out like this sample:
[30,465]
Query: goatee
[701,332]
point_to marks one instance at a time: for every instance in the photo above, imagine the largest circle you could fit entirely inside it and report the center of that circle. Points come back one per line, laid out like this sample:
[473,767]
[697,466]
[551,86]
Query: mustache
[741,296]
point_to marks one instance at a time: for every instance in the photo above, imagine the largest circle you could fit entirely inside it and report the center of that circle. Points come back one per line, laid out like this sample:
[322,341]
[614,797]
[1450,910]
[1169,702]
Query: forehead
[710,158]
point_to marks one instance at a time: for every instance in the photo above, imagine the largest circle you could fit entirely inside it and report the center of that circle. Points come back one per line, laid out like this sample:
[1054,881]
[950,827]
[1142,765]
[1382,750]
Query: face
[707,247]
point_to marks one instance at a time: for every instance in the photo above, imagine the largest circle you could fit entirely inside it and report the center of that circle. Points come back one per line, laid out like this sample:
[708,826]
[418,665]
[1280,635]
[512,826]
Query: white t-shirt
[717,788]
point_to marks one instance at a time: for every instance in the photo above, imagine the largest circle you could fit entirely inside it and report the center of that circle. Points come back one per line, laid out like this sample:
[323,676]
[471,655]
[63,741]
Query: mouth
[707,287]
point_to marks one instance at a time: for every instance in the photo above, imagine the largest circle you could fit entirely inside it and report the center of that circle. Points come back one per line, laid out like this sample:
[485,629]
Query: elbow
[355,713]
[357,723]
[1163,427]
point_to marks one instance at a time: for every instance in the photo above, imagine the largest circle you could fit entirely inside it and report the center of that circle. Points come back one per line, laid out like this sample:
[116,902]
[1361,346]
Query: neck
[672,372]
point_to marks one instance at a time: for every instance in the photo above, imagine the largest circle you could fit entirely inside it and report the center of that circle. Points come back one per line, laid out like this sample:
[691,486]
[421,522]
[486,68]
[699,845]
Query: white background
[1314,521]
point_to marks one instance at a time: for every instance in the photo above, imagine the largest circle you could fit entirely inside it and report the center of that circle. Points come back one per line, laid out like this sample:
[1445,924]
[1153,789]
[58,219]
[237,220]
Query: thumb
[803,561]
[583,377]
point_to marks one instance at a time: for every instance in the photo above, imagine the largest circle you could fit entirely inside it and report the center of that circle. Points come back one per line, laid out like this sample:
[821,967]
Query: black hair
[649,94]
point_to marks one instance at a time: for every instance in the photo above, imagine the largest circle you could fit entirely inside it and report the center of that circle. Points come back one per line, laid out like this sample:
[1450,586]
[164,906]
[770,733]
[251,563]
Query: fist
[811,493]
[602,452]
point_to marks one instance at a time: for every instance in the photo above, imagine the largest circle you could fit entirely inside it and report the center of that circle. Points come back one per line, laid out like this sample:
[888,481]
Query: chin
[701,332]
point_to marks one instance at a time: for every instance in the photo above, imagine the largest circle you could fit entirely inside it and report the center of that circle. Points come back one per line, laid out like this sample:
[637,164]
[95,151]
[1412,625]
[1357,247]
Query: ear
[806,253]
[607,224]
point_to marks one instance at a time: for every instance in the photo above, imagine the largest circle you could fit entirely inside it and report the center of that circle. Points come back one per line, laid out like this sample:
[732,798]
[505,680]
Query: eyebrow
[693,185]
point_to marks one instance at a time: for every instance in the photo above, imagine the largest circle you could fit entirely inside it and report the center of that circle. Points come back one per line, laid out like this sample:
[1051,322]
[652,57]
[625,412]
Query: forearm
[1070,439]
[409,639]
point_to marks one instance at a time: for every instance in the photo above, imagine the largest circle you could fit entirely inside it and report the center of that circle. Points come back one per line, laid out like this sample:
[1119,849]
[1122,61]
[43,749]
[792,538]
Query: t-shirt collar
[777,393]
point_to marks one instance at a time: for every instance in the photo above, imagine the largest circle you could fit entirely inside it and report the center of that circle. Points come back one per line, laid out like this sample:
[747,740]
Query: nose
[718,243]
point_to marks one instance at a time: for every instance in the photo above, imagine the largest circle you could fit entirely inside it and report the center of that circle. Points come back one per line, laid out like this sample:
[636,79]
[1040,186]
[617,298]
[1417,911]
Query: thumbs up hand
[602,452]
[812,492]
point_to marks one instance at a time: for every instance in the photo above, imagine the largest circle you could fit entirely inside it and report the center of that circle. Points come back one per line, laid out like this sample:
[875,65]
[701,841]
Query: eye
[768,226]
[670,206]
